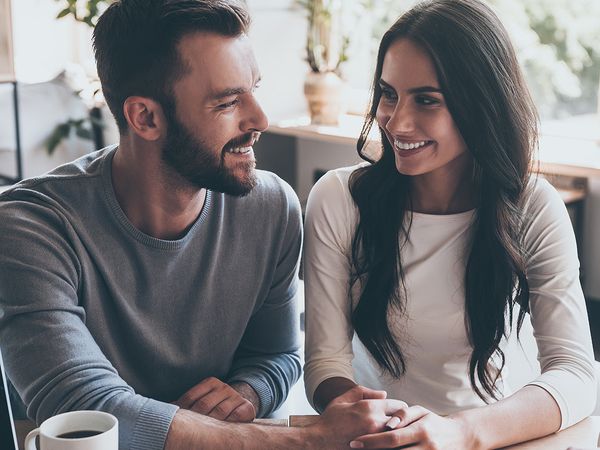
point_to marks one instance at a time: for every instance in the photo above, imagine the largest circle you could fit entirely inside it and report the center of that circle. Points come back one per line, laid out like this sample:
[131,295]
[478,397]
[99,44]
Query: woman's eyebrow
[415,90]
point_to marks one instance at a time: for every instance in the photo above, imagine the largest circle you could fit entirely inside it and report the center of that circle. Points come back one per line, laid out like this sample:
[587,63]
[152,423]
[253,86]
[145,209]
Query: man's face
[217,118]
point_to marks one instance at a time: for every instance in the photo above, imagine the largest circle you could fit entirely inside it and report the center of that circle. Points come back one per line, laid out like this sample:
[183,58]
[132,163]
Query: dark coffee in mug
[79,434]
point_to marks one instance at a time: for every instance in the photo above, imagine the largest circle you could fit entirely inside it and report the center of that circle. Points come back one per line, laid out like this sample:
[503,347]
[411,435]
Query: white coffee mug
[77,430]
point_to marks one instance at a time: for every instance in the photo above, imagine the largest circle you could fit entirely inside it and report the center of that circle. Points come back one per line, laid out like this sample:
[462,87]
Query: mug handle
[30,439]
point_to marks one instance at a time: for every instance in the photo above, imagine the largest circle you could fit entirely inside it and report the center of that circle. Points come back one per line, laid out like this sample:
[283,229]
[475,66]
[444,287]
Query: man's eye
[426,101]
[230,104]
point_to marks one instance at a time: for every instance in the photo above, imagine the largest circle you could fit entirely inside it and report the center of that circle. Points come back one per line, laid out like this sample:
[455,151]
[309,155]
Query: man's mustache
[245,140]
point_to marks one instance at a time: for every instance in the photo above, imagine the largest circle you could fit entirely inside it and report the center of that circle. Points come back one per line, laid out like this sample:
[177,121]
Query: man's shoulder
[65,191]
[87,166]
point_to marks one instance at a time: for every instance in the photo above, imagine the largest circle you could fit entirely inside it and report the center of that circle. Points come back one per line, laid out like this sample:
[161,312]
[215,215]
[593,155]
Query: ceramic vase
[324,92]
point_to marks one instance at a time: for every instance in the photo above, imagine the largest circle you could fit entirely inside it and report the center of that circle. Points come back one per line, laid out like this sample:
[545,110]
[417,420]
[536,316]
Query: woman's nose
[402,119]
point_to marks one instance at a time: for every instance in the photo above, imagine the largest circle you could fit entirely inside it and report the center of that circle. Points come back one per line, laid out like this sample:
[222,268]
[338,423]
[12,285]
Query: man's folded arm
[268,357]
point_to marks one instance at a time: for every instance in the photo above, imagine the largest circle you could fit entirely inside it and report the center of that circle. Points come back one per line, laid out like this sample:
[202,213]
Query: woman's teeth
[409,145]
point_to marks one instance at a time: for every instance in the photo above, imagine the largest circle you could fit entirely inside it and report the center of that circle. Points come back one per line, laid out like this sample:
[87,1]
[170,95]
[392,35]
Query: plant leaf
[63,13]
[83,133]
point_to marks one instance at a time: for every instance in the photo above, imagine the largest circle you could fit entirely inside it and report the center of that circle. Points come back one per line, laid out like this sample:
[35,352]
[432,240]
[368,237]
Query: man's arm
[268,357]
[335,429]
[50,355]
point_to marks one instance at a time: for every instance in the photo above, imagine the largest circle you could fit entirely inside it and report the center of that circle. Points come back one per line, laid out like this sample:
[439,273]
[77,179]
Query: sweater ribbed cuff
[263,390]
[152,425]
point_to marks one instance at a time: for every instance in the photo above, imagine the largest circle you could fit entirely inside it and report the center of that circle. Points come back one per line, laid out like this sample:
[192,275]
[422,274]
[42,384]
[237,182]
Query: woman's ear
[145,117]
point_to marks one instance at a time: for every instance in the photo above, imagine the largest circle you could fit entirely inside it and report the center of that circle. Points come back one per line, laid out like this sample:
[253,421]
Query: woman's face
[413,114]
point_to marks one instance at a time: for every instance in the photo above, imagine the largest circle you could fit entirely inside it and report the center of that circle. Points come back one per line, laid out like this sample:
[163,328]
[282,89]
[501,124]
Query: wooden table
[582,435]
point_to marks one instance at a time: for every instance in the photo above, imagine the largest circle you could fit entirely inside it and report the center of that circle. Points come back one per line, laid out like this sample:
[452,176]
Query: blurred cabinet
[10,179]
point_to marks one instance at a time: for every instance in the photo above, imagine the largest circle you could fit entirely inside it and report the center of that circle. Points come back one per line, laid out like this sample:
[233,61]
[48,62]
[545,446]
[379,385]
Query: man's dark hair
[135,43]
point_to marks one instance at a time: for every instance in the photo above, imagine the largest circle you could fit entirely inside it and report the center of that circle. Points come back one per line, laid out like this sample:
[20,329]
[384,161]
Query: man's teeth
[409,145]
[239,150]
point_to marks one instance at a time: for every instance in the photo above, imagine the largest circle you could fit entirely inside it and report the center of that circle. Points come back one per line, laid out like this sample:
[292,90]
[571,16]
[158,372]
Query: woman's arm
[330,389]
[528,414]
[329,224]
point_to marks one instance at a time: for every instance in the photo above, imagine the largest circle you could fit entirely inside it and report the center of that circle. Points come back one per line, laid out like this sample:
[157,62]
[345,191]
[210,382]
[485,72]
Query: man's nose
[256,119]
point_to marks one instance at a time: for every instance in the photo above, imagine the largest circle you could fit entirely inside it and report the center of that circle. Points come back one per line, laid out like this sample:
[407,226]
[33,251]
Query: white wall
[278,34]
[42,44]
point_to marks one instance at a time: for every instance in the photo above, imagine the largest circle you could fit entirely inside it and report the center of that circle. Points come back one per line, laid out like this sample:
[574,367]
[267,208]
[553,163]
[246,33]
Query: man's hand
[358,393]
[221,401]
[344,420]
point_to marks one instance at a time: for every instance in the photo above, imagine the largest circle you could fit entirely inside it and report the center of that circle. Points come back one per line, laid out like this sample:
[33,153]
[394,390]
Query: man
[157,280]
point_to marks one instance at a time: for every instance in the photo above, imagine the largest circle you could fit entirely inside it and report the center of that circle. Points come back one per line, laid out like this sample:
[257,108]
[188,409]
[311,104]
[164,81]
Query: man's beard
[199,166]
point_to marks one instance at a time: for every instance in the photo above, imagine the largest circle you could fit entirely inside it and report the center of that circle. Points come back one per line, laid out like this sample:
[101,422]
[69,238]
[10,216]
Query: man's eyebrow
[416,90]
[230,92]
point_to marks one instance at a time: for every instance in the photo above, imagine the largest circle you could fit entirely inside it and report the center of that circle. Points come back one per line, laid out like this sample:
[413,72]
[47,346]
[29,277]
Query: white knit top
[432,332]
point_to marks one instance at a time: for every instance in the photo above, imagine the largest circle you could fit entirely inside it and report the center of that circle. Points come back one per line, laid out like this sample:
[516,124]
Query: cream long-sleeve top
[432,332]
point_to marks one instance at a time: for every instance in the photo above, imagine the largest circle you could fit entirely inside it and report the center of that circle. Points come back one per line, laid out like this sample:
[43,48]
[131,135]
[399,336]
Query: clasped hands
[351,413]
[412,427]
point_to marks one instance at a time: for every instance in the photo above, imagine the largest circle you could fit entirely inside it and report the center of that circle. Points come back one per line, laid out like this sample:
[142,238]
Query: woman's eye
[427,101]
[388,95]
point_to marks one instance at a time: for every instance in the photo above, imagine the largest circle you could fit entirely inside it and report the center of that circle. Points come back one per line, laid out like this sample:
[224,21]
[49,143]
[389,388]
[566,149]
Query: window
[557,43]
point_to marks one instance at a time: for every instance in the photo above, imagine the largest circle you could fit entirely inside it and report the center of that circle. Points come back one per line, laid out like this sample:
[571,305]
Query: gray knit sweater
[95,314]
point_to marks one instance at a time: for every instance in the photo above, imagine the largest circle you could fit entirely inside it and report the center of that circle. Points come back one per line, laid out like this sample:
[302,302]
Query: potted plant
[86,11]
[326,46]
[91,127]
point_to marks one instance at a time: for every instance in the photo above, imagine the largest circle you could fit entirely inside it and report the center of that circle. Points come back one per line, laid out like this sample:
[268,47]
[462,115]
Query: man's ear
[145,117]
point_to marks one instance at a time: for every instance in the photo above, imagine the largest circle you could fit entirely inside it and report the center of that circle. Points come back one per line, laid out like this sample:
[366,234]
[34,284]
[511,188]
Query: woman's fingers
[389,439]
[406,416]
[404,431]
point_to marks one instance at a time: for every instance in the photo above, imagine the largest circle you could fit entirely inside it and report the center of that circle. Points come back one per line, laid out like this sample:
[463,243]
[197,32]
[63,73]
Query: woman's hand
[418,428]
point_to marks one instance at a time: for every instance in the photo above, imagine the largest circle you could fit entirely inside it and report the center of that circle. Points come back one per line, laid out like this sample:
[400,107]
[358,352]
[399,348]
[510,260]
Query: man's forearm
[191,431]
[335,429]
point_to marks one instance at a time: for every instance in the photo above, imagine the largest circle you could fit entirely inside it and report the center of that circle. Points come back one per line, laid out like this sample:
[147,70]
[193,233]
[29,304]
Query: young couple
[157,280]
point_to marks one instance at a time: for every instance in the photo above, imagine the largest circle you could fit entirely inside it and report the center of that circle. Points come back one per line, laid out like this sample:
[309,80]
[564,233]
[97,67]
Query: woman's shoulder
[330,201]
[334,184]
[544,209]
[540,194]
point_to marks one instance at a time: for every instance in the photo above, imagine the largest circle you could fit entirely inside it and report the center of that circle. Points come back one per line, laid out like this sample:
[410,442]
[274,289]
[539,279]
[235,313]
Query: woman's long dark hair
[487,97]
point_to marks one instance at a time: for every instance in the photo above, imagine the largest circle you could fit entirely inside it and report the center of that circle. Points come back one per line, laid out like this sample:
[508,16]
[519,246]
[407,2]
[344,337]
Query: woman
[420,265]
